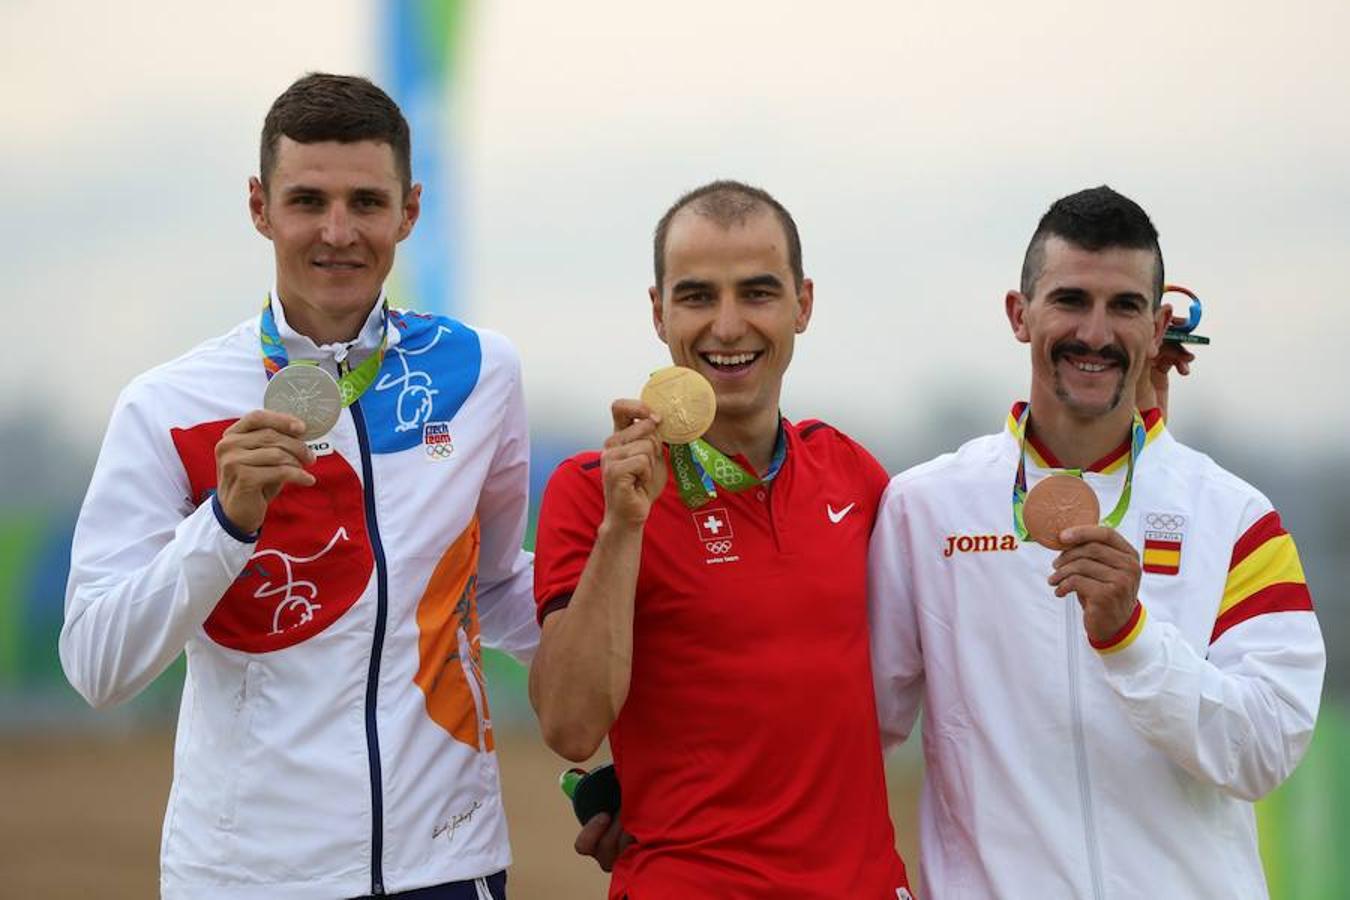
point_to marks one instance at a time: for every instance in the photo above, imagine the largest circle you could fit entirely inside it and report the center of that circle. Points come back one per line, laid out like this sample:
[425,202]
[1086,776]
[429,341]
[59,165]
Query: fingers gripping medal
[685,402]
[1058,502]
[308,393]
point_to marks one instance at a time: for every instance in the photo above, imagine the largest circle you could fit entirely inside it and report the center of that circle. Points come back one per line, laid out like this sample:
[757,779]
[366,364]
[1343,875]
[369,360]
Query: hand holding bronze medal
[1058,502]
[308,393]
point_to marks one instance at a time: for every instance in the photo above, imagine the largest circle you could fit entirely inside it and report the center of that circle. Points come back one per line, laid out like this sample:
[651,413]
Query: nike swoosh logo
[837,517]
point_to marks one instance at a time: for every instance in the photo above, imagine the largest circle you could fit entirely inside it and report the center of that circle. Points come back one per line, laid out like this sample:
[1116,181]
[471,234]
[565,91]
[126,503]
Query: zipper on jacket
[377,648]
[1072,634]
[471,674]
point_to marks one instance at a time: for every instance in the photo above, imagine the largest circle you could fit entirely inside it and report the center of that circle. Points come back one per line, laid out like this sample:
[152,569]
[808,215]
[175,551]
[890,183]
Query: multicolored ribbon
[352,383]
[1138,437]
[700,468]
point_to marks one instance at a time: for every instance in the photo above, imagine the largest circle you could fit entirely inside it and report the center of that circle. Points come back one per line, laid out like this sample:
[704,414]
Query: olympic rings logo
[440,451]
[727,473]
[1165,521]
[718,547]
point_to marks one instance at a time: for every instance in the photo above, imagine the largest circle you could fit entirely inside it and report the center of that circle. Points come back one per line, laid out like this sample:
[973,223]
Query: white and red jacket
[334,737]
[1056,769]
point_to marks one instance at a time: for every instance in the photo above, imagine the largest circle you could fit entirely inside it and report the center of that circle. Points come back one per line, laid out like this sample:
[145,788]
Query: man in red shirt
[719,637]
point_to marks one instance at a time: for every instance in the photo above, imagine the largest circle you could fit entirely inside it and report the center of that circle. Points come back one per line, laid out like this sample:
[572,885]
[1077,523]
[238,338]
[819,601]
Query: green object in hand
[593,792]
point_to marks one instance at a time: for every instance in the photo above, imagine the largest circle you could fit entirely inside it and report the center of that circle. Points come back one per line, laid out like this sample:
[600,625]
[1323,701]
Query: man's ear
[658,320]
[257,207]
[806,301]
[412,208]
[1162,317]
[1015,304]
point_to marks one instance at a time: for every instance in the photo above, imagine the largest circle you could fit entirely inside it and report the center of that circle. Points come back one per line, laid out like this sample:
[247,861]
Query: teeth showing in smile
[1090,367]
[730,359]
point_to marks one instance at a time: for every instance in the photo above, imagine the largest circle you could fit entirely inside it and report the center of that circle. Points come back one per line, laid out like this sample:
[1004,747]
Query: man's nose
[337,230]
[1093,329]
[729,324]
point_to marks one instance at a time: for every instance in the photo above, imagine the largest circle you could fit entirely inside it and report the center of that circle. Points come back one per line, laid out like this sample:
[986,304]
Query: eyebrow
[766,281]
[691,284]
[304,190]
[1079,292]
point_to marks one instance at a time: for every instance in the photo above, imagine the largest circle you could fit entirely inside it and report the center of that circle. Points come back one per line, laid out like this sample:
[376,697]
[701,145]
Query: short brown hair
[728,203]
[347,108]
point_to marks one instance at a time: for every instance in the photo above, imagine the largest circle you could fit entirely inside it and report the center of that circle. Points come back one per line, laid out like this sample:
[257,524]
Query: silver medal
[308,393]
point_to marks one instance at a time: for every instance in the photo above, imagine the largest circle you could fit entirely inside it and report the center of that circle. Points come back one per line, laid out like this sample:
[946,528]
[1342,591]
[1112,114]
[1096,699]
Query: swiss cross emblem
[713,524]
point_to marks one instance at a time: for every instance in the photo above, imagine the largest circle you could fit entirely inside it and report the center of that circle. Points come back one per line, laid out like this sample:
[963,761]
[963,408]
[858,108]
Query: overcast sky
[916,143]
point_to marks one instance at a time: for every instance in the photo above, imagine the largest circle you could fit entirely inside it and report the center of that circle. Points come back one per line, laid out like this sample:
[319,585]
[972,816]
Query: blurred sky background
[916,143]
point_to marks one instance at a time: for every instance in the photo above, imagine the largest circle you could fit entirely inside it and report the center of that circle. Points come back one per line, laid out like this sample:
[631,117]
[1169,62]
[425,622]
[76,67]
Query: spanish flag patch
[1162,557]
[1162,543]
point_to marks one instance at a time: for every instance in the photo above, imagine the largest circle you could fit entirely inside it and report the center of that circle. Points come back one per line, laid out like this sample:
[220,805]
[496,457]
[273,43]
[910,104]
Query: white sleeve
[897,655]
[146,570]
[506,609]
[1241,717]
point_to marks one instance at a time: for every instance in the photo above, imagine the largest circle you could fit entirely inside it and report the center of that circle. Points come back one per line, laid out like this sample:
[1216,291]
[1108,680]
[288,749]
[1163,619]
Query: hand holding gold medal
[685,402]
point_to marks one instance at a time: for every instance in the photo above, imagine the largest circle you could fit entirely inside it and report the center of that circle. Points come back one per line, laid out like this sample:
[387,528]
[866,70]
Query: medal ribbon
[352,383]
[1138,437]
[700,468]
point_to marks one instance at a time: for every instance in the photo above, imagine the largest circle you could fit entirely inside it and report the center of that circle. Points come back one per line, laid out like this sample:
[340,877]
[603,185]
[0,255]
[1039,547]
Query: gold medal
[1055,503]
[685,402]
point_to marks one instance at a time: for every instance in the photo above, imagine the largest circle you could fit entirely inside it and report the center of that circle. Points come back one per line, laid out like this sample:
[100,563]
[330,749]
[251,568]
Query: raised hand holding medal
[1096,564]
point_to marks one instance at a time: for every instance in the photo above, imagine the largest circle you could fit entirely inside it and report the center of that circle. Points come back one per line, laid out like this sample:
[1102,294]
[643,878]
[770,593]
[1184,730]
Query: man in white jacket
[331,595]
[1109,747]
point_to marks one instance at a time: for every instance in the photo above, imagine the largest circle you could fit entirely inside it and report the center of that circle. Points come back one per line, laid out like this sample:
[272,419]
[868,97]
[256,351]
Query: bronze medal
[1055,503]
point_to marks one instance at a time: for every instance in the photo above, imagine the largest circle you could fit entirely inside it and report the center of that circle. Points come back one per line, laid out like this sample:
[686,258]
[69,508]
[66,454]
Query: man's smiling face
[334,213]
[729,307]
[1091,324]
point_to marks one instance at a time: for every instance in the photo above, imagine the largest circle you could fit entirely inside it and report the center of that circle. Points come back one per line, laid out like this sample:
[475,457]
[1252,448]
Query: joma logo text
[979,543]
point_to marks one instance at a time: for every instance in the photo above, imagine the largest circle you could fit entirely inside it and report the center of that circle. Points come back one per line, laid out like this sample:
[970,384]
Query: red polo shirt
[748,748]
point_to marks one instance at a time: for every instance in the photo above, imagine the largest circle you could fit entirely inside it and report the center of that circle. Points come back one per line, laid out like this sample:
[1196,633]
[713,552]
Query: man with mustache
[1110,747]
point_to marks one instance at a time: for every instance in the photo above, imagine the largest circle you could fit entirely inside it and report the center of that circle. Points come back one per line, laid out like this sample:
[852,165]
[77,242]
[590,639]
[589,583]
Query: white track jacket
[334,738]
[1054,770]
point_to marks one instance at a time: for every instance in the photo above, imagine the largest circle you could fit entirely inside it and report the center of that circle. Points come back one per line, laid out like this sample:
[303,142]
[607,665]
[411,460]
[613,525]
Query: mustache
[1111,352]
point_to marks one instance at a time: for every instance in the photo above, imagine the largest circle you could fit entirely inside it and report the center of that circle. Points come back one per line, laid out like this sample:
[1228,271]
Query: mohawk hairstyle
[1094,219]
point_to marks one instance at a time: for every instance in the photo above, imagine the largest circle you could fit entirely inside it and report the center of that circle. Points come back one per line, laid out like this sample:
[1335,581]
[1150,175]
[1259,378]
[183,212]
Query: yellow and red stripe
[1264,576]
[1127,633]
[1041,455]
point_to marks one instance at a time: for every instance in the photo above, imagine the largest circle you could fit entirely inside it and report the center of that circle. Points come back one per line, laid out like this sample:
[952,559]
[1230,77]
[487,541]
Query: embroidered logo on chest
[714,530]
[1163,535]
[978,543]
[436,440]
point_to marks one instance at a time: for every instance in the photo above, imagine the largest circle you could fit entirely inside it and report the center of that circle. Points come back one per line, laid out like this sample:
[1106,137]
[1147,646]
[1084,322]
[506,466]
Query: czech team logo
[1163,535]
[714,530]
[436,440]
